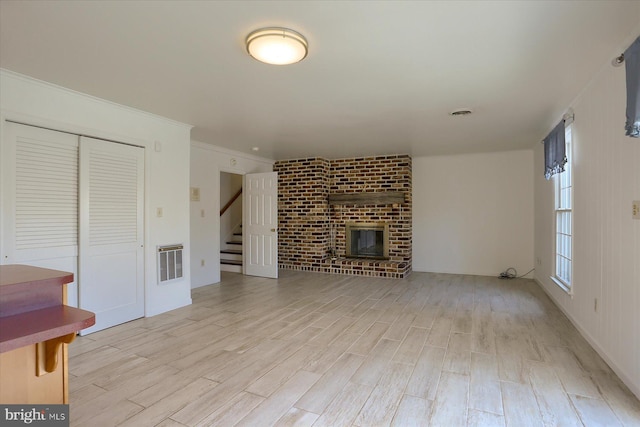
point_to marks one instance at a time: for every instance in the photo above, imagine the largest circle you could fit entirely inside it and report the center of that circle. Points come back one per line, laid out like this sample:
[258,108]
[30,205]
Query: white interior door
[40,200]
[111,232]
[260,224]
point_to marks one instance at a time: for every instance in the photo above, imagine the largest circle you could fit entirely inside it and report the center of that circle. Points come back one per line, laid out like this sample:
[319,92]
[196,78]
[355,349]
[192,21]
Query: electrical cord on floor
[511,273]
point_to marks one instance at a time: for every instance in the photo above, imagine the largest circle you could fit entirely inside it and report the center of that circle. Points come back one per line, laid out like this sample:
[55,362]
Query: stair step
[231,261]
[231,268]
[234,243]
[231,251]
[230,257]
[237,234]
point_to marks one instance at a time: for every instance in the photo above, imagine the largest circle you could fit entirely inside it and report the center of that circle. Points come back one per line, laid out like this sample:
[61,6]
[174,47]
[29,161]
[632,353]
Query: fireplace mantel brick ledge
[308,212]
[367,198]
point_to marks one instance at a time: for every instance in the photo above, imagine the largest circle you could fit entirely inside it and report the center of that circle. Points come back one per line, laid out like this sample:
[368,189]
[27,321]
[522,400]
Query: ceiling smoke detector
[461,112]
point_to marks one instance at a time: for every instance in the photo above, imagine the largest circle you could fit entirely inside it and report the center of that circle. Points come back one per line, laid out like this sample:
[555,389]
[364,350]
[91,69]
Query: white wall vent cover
[169,262]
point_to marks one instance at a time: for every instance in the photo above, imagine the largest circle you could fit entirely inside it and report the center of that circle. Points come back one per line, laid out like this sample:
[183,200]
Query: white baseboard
[159,309]
[627,380]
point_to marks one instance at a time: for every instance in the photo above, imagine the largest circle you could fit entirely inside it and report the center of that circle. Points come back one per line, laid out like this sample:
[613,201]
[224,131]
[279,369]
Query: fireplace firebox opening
[367,240]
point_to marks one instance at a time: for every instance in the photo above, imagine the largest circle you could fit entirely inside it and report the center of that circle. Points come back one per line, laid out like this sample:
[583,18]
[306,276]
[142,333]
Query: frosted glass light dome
[277,46]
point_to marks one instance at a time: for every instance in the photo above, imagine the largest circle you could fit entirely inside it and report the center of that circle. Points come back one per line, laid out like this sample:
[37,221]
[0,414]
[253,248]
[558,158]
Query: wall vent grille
[169,262]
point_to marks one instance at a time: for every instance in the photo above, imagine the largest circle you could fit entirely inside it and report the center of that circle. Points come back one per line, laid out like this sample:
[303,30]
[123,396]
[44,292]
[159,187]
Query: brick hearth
[306,218]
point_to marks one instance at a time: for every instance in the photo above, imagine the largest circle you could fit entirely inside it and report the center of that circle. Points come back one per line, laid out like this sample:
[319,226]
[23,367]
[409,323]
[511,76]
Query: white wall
[207,161]
[606,255]
[166,172]
[473,214]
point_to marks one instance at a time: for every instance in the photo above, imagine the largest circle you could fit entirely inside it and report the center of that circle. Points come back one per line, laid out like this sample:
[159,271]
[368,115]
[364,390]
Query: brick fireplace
[318,197]
[368,240]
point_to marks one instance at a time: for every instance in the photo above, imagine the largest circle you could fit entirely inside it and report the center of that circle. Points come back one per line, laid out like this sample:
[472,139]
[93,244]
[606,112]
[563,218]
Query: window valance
[554,151]
[632,66]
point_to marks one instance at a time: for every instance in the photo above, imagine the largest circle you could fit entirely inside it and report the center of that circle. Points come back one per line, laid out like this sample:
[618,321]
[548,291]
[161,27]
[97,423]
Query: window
[564,238]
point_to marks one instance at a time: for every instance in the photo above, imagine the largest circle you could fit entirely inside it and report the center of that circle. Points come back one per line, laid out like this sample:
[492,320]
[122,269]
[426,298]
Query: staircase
[231,254]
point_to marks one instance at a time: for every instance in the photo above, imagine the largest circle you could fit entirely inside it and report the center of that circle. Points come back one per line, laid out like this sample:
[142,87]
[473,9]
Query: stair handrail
[230,202]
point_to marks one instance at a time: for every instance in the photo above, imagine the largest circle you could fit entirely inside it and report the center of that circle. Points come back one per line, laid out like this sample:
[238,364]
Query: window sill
[562,286]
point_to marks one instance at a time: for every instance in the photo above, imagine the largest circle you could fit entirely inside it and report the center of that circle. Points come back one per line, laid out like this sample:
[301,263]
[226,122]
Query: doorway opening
[231,256]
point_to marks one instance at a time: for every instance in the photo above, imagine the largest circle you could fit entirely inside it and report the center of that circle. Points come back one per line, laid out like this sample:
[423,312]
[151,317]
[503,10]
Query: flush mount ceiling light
[277,46]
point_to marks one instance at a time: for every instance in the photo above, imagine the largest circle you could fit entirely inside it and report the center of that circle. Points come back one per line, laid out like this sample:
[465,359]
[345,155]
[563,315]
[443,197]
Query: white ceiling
[380,77]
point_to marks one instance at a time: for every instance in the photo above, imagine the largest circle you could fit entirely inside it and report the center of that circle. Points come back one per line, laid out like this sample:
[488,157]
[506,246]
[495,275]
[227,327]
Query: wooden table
[35,328]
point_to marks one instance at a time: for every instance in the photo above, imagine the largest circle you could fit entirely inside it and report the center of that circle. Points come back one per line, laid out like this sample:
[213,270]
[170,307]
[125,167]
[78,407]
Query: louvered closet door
[111,232]
[40,199]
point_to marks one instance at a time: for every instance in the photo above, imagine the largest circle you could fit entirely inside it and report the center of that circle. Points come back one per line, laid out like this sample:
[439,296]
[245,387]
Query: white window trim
[566,287]
[562,285]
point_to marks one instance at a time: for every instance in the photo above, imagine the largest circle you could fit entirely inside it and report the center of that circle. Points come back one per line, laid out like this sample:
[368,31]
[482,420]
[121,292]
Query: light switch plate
[195,194]
[636,209]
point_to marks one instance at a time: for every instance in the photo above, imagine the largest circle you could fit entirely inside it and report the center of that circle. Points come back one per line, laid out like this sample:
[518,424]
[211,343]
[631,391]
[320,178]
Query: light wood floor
[328,350]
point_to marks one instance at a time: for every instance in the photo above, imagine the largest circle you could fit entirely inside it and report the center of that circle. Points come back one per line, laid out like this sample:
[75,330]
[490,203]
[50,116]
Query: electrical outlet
[538,261]
[635,214]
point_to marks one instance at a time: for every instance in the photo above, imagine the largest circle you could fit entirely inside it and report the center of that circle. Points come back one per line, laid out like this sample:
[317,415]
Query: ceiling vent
[461,112]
